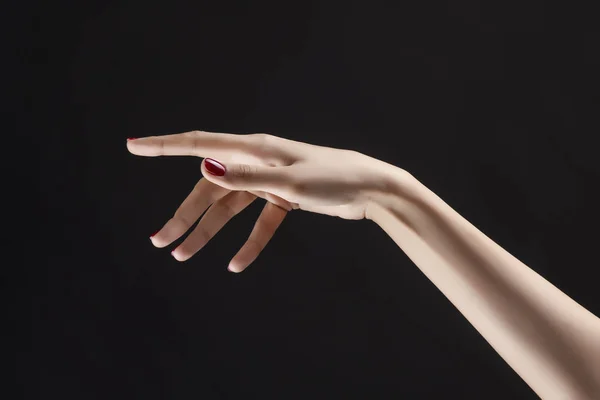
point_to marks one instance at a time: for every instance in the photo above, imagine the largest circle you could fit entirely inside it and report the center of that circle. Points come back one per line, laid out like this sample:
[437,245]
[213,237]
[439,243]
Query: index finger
[193,143]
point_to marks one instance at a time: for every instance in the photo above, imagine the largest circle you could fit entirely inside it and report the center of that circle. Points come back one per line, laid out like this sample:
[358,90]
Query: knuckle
[194,146]
[272,150]
[202,234]
[244,171]
[351,153]
[182,219]
[191,134]
[248,196]
[260,137]
[268,138]
[264,139]
[255,138]
[227,210]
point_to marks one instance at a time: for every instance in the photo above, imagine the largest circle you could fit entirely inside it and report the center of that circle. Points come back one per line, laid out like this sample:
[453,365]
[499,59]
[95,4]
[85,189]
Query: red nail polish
[131,138]
[154,234]
[214,167]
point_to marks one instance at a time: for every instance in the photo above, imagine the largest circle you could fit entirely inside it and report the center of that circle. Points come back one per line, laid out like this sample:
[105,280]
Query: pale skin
[552,342]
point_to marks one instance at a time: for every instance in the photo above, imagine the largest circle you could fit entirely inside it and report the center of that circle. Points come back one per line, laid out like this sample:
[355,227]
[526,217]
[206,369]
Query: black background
[495,107]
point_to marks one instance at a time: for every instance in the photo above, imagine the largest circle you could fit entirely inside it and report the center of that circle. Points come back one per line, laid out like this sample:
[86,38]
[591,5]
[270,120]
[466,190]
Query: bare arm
[547,338]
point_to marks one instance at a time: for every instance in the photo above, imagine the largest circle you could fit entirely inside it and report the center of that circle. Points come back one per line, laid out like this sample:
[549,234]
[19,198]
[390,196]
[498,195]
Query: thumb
[245,177]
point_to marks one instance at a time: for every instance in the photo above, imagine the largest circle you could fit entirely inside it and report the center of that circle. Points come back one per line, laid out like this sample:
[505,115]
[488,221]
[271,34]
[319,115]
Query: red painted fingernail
[154,234]
[214,167]
[131,138]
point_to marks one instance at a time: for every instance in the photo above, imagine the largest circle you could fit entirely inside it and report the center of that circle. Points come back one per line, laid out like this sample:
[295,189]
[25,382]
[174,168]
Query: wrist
[399,193]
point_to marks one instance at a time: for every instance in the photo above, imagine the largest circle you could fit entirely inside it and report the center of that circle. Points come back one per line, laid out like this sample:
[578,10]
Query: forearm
[547,338]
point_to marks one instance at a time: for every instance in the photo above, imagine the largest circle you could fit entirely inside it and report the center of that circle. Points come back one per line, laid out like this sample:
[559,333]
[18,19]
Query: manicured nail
[154,234]
[131,138]
[214,167]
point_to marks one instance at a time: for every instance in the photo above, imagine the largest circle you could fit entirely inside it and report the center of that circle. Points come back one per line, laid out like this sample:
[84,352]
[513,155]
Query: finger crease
[203,234]
[183,219]
[227,210]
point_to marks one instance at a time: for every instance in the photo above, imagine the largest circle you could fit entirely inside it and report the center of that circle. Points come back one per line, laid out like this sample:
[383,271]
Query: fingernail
[214,167]
[131,138]
[154,234]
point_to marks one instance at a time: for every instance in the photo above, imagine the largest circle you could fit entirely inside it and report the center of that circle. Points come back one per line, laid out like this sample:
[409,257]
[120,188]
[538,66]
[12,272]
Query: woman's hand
[288,174]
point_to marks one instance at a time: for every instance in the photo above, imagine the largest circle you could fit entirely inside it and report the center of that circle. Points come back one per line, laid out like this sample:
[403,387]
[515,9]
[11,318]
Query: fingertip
[157,243]
[177,256]
[141,147]
[233,269]
[130,145]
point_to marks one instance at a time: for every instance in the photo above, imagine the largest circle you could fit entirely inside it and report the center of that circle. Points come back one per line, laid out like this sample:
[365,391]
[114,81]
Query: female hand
[288,174]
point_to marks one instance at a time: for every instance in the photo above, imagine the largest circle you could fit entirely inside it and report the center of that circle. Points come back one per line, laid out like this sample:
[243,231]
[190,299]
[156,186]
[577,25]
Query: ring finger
[211,223]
